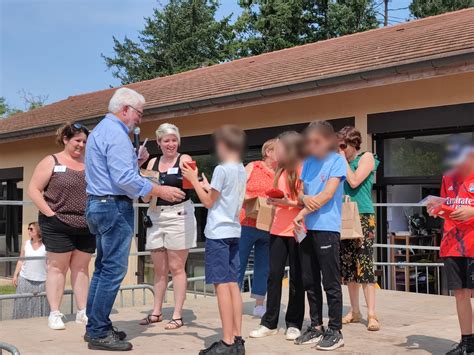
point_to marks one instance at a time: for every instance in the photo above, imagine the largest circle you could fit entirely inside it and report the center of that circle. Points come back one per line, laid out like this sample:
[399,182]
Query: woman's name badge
[59,168]
[172,171]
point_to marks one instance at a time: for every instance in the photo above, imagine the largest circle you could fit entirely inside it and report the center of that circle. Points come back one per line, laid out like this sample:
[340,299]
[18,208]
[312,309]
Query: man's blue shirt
[111,161]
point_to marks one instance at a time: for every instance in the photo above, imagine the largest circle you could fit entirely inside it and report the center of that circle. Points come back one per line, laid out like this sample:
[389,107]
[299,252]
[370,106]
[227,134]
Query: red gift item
[186,184]
[275,193]
[443,211]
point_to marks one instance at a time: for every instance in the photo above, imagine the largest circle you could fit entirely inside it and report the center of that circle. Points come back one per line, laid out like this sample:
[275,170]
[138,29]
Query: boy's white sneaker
[81,317]
[55,320]
[262,332]
[259,311]
[292,333]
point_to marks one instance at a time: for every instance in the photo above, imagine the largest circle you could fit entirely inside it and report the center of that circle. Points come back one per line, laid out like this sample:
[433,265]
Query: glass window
[415,156]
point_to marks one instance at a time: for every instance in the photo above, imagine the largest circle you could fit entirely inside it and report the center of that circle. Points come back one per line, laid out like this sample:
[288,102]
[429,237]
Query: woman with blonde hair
[260,176]
[30,277]
[173,230]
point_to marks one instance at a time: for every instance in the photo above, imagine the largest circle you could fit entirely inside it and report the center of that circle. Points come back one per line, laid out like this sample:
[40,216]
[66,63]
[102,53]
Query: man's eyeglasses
[140,113]
[80,127]
[30,229]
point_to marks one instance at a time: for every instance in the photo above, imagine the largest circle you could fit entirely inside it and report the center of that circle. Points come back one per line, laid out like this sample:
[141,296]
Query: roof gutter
[436,62]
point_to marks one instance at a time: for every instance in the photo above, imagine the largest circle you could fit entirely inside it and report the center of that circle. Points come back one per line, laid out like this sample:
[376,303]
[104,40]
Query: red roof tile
[439,36]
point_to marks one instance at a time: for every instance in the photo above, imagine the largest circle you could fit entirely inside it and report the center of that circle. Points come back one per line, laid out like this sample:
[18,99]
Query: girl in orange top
[283,244]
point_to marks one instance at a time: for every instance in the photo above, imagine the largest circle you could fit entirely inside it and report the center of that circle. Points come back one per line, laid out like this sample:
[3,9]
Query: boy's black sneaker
[219,347]
[331,340]
[239,346]
[110,343]
[462,348]
[118,333]
[310,336]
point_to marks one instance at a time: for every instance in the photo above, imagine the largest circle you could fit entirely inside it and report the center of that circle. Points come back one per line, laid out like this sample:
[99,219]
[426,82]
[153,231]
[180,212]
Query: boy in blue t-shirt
[322,175]
[223,197]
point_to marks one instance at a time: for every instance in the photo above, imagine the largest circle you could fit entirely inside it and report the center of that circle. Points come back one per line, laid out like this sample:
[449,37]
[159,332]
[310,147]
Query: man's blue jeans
[111,220]
[252,237]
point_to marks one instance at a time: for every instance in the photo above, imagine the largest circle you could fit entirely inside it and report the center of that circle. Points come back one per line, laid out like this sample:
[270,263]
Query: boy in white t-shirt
[223,197]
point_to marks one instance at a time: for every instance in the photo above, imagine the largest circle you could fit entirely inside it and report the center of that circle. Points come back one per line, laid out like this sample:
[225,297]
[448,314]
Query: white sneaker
[55,320]
[292,333]
[262,332]
[259,311]
[81,317]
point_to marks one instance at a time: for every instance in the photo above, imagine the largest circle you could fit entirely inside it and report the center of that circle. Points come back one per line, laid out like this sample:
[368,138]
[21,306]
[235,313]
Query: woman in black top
[174,227]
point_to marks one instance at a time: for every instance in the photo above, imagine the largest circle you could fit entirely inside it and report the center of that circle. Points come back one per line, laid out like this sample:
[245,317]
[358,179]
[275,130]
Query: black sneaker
[332,340]
[121,335]
[239,346]
[219,347]
[310,336]
[111,343]
[461,349]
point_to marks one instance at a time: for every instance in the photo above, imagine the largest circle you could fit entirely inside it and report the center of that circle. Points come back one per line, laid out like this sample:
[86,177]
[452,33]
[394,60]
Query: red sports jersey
[458,238]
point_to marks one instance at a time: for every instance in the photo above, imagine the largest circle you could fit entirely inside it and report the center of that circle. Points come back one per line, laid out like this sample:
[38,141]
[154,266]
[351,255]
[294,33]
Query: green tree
[268,25]
[6,110]
[425,8]
[182,36]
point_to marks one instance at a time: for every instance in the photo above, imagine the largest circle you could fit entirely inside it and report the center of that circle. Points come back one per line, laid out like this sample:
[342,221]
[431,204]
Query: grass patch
[7,289]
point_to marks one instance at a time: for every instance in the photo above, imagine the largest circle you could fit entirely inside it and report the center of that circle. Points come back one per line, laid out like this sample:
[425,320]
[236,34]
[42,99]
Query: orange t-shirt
[458,237]
[284,215]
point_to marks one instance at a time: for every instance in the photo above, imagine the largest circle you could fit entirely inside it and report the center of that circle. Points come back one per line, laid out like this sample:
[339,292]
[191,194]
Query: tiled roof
[434,37]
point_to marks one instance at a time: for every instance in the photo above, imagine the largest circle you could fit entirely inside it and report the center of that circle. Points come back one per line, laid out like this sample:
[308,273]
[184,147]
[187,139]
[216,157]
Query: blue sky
[53,47]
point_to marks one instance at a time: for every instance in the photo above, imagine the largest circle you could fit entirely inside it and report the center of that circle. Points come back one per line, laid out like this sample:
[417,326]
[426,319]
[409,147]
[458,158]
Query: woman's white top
[34,270]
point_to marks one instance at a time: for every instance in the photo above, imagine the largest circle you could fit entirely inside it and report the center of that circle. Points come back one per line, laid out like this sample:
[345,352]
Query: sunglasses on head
[80,127]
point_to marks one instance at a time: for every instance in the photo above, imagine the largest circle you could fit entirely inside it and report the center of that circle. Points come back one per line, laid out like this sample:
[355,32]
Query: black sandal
[173,324]
[148,320]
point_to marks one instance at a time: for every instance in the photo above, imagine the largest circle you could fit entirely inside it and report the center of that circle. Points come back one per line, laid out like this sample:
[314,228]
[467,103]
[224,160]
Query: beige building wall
[439,91]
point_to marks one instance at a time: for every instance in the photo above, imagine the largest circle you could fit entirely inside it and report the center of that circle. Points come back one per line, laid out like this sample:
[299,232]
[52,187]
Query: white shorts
[174,227]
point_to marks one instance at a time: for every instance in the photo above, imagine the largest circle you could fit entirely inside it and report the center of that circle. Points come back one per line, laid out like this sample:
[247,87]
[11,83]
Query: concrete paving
[411,323]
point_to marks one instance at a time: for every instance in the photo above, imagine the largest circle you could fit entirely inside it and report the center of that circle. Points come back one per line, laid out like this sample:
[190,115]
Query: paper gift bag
[259,209]
[351,227]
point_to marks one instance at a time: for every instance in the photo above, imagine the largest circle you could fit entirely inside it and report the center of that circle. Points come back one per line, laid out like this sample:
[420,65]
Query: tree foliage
[425,8]
[30,101]
[185,35]
[182,36]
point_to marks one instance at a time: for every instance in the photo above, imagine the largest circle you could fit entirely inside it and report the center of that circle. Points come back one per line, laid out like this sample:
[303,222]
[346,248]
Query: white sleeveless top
[34,270]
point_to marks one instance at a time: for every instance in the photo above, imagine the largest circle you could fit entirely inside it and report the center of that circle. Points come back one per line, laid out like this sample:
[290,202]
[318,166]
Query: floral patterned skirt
[357,256]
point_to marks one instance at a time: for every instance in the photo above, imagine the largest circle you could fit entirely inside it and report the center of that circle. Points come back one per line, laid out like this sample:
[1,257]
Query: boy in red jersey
[457,245]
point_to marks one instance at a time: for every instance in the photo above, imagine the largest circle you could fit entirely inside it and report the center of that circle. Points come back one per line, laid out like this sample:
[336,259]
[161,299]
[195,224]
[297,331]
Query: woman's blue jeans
[252,237]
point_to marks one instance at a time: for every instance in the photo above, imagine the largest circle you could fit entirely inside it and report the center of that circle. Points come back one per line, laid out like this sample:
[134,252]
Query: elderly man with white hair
[113,181]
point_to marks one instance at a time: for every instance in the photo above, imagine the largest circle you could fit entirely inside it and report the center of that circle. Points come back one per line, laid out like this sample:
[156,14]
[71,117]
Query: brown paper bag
[259,209]
[351,227]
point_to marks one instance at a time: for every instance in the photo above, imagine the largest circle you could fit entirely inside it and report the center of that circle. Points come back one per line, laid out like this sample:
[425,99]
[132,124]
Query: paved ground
[414,324]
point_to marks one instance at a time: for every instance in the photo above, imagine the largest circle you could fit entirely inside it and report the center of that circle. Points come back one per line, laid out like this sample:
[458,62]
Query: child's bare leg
[464,308]
[224,301]
[237,308]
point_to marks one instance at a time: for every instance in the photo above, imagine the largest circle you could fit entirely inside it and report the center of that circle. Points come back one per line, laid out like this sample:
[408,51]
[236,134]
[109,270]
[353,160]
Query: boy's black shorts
[460,272]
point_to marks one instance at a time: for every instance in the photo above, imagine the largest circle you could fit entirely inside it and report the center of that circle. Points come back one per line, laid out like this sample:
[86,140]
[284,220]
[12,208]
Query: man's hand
[311,203]
[462,214]
[278,201]
[171,194]
[190,174]
[143,154]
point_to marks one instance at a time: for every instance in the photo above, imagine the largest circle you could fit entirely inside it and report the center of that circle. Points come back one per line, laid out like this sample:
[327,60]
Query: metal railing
[42,296]
[10,348]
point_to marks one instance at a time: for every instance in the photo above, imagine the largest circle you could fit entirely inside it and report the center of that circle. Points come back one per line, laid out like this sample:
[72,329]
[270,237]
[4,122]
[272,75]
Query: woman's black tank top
[172,177]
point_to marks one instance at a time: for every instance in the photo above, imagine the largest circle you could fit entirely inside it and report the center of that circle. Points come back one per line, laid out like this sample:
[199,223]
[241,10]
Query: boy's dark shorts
[459,272]
[222,260]
[59,237]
